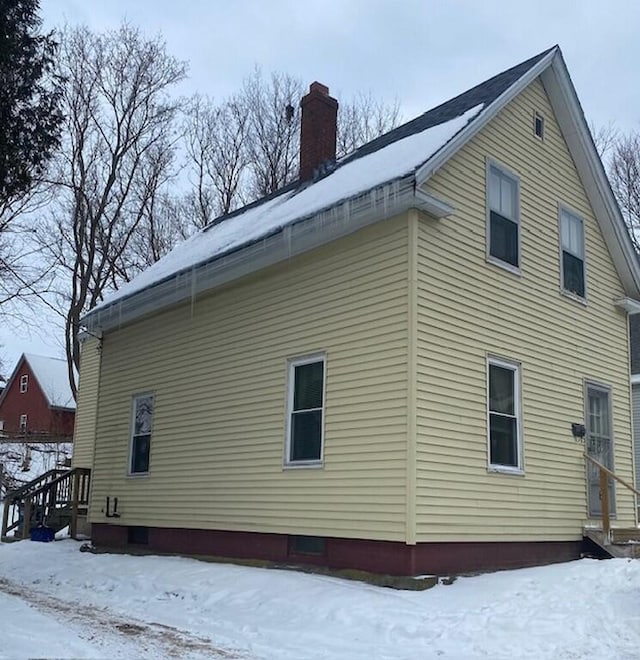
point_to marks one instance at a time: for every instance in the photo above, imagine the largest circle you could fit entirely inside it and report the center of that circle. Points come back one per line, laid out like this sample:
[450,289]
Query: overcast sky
[419,52]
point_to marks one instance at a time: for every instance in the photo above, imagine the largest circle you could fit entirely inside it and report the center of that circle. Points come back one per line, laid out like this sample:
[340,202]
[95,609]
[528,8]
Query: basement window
[142,422]
[24,383]
[308,545]
[138,535]
[538,125]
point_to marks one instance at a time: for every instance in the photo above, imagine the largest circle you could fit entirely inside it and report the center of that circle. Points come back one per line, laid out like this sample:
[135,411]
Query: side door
[599,444]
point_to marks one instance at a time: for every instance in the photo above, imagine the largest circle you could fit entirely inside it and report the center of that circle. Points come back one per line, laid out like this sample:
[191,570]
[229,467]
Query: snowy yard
[58,602]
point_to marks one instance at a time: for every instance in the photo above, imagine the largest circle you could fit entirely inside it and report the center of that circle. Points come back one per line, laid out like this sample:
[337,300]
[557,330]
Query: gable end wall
[468,308]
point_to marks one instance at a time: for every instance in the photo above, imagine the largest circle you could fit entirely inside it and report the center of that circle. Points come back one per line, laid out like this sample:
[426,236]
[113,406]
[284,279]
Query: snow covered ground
[58,602]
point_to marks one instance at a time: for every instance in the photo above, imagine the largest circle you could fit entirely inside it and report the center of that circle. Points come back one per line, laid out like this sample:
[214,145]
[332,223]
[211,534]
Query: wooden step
[620,535]
[628,548]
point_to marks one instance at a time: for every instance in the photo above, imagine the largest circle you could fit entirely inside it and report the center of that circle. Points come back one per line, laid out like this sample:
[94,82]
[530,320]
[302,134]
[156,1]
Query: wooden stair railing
[38,482]
[605,473]
[52,497]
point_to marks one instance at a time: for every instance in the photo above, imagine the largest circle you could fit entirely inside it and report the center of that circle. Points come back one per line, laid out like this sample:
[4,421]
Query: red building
[37,401]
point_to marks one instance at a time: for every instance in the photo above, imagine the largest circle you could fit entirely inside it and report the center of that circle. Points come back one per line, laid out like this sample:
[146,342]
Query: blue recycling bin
[42,534]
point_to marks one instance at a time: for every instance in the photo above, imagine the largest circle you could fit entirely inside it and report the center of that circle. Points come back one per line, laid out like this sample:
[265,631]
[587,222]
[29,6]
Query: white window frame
[564,209]
[507,174]
[23,423]
[24,383]
[292,363]
[516,367]
[538,116]
[134,399]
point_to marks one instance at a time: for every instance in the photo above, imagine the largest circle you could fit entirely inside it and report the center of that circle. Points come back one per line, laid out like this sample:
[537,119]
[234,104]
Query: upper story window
[23,423]
[305,411]
[572,249]
[503,200]
[24,383]
[503,404]
[141,434]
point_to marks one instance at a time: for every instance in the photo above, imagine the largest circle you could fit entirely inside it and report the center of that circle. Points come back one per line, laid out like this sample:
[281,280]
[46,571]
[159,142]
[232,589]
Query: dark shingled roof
[634,339]
[486,93]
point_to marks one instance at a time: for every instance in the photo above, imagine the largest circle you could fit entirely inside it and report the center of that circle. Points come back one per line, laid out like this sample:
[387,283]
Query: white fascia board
[629,305]
[429,168]
[574,128]
[335,222]
[432,205]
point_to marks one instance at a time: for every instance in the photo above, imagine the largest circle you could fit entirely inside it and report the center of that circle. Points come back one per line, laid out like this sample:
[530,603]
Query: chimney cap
[319,87]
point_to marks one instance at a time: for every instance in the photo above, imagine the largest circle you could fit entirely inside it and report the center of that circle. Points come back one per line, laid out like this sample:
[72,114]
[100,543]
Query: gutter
[342,219]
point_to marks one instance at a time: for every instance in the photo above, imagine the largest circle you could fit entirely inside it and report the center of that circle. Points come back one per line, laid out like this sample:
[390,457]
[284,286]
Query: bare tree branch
[248,146]
[117,155]
[624,174]
[362,119]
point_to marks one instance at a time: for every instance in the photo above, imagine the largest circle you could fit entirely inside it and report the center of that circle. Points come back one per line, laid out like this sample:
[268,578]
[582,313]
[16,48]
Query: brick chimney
[318,128]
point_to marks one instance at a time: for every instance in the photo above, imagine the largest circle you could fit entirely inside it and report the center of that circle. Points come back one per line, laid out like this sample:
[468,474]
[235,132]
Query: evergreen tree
[30,118]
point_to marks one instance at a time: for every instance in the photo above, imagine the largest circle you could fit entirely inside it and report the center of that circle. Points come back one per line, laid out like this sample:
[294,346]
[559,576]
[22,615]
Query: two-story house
[37,403]
[388,364]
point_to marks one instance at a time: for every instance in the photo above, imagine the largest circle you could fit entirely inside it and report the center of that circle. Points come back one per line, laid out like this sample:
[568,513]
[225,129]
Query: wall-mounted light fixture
[579,430]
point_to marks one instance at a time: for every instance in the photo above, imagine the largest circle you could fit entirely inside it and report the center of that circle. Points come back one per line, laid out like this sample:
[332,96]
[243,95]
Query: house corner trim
[412,350]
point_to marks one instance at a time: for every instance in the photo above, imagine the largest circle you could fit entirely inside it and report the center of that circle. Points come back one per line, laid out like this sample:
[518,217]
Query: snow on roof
[52,376]
[386,159]
[348,180]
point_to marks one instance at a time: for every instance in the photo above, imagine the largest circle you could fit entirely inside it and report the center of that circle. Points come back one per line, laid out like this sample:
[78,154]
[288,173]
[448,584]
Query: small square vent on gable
[538,125]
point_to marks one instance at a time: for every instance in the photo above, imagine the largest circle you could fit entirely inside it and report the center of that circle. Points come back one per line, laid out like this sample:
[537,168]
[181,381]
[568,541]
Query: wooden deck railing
[44,498]
[605,474]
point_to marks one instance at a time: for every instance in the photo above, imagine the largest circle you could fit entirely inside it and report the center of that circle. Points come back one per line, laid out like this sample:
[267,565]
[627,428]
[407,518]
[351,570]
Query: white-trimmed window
[505,424]
[305,410]
[23,423]
[572,253]
[503,217]
[141,425]
[24,383]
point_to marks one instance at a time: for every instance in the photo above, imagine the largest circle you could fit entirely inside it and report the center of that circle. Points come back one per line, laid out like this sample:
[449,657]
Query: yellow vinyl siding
[218,367]
[469,309]
[85,424]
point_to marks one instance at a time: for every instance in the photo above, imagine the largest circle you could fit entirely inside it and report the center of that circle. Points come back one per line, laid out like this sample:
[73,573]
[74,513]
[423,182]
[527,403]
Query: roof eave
[62,408]
[337,221]
[629,305]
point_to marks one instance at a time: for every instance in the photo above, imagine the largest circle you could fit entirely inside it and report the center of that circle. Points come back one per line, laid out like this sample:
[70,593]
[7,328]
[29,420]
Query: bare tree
[248,146]
[217,145]
[272,107]
[23,279]
[116,157]
[624,174]
[362,119]
[169,220]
